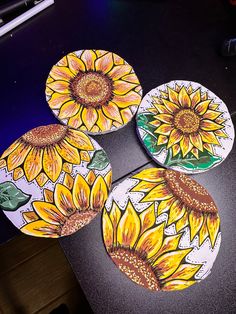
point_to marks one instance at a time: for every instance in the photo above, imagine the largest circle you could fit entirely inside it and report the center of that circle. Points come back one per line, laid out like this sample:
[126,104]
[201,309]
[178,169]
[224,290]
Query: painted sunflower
[186,201]
[43,152]
[143,252]
[69,207]
[187,120]
[93,90]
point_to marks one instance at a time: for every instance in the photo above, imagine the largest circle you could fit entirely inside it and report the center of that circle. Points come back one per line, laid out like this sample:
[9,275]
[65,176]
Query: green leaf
[151,144]
[143,122]
[190,162]
[11,198]
[99,160]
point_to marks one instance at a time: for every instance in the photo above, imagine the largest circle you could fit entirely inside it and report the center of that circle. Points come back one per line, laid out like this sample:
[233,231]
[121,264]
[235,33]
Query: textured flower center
[76,221]
[187,121]
[45,135]
[92,89]
[135,266]
[192,194]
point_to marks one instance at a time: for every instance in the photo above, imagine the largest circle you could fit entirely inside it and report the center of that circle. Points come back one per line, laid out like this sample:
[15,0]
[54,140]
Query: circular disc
[95,91]
[162,229]
[53,181]
[184,126]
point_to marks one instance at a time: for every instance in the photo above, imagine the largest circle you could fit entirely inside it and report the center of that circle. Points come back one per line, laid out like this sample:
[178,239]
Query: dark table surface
[163,40]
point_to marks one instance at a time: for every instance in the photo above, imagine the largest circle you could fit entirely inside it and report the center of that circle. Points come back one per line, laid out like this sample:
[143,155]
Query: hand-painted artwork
[53,181]
[95,91]
[162,229]
[184,126]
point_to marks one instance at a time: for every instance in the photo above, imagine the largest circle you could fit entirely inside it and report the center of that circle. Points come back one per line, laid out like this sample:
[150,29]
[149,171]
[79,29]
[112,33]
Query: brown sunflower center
[187,121]
[76,221]
[45,135]
[191,193]
[135,266]
[92,89]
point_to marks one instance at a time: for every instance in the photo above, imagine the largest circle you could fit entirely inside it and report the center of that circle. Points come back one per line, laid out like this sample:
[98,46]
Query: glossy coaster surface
[53,181]
[93,90]
[162,229]
[184,126]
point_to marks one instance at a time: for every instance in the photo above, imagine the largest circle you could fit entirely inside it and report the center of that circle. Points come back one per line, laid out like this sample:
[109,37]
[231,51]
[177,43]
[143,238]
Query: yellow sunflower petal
[95,129]
[203,234]
[52,163]
[79,140]
[211,114]
[209,137]
[69,109]
[17,157]
[67,167]
[165,205]
[112,112]
[155,123]
[162,139]
[195,97]
[104,63]
[117,59]
[108,179]
[173,96]
[89,57]
[208,147]
[61,73]
[185,271]
[194,151]
[164,94]
[115,215]
[61,87]
[48,212]
[160,192]
[169,262]
[130,99]
[89,117]
[63,61]
[190,89]
[121,87]
[100,52]
[151,175]
[202,107]
[162,109]
[195,222]
[147,218]
[63,200]
[196,140]
[175,149]
[41,228]
[170,243]
[68,152]
[213,225]
[48,195]
[174,138]
[18,173]
[171,107]
[213,106]
[185,145]
[119,71]
[33,163]
[128,228]
[98,194]
[164,129]
[84,155]
[208,125]
[143,186]
[132,78]
[182,223]
[11,148]
[126,115]
[220,120]
[30,216]
[177,285]
[103,122]
[81,193]
[41,179]
[57,100]
[221,133]
[75,64]
[107,229]
[68,181]
[166,118]
[184,98]
[150,241]
[177,210]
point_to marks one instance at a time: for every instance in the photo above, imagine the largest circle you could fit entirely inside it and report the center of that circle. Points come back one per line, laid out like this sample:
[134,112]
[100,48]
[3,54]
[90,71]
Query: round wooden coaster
[53,181]
[162,229]
[184,126]
[93,90]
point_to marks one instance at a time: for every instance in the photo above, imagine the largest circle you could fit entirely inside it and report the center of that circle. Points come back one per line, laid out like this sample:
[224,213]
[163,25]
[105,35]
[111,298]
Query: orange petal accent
[177,211]
[61,87]
[175,137]
[164,129]
[30,216]
[52,163]
[57,100]
[148,218]
[48,196]
[33,163]
[104,63]
[107,229]
[173,96]
[202,107]
[48,212]
[40,228]
[18,173]
[182,223]
[75,64]
[121,87]
[115,215]
[164,206]
[90,178]
[213,225]
[211,114]
[98,194]
[89,117]
[185,271]
[162,139]
[221,133]
[68,110]
[164,117]
[61,73]
[185,145]
[41,179]
[130,99]
[17,157]
[170,243]
[108,179]
[171,107]
[68,152]
[81,193]
[184,98]
[161,109]
[84,155]
[89,57]
[194,151]
[209,137]
[208,147]
[63,61]
[155,122]
[68,181]
[103,122]
[126,114]
[132,78]
[173,285]
[175,149]
[208,125]
[63,200]
[143,186]
[195,222]
[119,71]
[76,120]
[195,97]
[11,148]
[117,59]
[112,112]
[151,175]
[160,192]
[79,140]
[67,167]
[196,140]
[203,234]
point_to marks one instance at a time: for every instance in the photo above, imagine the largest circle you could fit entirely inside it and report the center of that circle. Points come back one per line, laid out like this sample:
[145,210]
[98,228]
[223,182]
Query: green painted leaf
[151,144]
[11,198]
[190,162]
[99,160]
[143,122]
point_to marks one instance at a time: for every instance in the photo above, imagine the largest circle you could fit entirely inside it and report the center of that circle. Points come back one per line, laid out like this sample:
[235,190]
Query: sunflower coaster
[53,181]
[162,229]
[184,126]
[93,90]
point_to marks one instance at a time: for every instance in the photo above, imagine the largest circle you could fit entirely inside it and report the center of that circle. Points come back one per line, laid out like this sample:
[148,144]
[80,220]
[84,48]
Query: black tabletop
[163,41]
